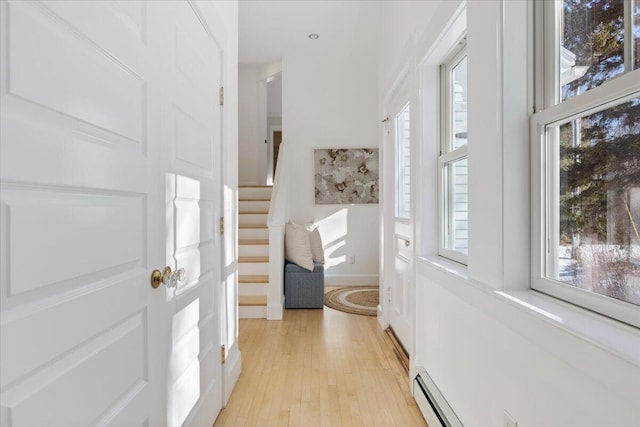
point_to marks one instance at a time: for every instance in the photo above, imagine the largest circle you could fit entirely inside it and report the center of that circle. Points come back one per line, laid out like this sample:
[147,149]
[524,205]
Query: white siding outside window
[403,163]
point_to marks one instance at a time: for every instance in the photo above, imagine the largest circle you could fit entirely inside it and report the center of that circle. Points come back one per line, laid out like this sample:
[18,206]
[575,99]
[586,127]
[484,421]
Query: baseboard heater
[434,407]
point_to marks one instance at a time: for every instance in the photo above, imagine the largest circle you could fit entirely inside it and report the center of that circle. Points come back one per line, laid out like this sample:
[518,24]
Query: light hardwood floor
[319,368]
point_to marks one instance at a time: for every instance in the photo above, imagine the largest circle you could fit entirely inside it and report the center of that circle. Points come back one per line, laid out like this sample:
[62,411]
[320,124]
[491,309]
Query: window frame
[544,165]
[448,155]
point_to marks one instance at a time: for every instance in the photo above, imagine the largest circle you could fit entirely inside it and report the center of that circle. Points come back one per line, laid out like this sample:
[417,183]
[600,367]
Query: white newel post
[278,217]
[275,295]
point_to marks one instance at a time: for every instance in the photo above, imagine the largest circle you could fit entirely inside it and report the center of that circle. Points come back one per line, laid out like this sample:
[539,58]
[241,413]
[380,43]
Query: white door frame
[270,174]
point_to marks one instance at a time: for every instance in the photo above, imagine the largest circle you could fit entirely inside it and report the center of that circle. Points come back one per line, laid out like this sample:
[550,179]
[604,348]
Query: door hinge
[222,225]
[223,354]
[221,95]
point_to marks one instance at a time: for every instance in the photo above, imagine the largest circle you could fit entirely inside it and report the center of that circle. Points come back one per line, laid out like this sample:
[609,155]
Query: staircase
[253,251]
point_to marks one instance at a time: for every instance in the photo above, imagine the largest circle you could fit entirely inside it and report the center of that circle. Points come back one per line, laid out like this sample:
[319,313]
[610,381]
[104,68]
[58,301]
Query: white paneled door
[110,168]
[398,218]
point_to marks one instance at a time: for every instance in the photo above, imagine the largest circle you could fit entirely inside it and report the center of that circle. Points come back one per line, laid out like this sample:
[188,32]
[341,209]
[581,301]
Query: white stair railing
[278,217]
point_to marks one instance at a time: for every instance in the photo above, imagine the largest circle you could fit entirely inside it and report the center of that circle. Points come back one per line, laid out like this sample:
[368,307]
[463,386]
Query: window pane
[459,104]
[592,47]
[636,34]
[595,225]
[456,206]
[403,163]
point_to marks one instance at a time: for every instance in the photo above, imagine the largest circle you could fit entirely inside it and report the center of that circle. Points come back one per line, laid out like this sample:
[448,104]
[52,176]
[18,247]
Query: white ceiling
[269,29]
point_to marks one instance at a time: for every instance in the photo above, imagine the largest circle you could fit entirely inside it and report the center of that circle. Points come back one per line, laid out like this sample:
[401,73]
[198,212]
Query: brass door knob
[166,276]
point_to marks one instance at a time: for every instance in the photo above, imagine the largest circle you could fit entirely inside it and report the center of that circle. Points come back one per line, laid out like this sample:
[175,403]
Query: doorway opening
[275,134]
[259,115]
[274,122]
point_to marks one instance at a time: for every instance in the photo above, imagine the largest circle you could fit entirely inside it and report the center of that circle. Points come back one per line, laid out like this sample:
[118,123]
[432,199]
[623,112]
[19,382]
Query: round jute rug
[354,299]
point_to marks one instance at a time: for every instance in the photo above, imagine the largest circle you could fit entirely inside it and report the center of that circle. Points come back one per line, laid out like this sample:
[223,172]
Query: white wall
[488,356]
[490,344]
[330,100]
[403,22]
[252,151]
[251,147]
[274,97]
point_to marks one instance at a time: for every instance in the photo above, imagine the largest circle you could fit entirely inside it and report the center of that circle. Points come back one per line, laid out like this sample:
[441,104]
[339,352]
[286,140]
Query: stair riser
[252,312]
[253,233]
[254,206]
[253,250]
[252,289]
[252,218]
[255,193]
[253,268]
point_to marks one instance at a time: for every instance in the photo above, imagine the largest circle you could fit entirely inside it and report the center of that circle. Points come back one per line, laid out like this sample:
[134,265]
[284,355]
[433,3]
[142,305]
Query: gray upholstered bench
[303,288]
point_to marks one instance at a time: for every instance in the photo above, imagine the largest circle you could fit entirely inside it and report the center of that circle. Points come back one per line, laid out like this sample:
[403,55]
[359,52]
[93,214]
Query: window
[586,163]
[454,239]
[403,163]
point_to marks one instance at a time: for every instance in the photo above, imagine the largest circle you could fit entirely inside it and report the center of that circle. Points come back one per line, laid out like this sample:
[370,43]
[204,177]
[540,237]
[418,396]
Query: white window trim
[547,94]
[447,153]
[613,92]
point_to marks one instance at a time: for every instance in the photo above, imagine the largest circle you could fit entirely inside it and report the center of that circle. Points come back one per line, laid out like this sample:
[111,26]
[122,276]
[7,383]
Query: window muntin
[403,163]
[586,162]
[454,203]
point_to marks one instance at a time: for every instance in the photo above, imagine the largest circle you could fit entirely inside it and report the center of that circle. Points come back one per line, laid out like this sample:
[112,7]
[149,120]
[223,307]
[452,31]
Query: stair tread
[254,212]
[254,200]
[253,259]
[253,241]
[255,186]
[253,278]
[252,301]
[253,226]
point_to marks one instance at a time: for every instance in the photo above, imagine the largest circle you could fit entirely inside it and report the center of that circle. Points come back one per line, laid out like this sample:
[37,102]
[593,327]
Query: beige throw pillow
[317,251]
[297,248]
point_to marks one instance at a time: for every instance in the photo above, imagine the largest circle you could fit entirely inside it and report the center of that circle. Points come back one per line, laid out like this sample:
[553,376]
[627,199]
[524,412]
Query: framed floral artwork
[346,176]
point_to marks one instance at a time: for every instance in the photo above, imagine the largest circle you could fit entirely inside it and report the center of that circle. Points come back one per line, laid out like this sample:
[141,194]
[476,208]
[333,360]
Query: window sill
[537,316]
[609,335]
[447,265]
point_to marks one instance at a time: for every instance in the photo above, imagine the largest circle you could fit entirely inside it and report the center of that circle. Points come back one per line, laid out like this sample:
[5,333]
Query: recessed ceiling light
[314,36]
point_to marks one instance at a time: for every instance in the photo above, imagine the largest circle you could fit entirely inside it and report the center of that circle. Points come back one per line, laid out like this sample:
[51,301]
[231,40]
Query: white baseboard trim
[274,311]
[232,369]
[351,279]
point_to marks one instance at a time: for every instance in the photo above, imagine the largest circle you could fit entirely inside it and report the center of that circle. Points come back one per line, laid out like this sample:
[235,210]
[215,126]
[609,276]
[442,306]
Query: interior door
[109,141]
[192,178]
[400,224]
